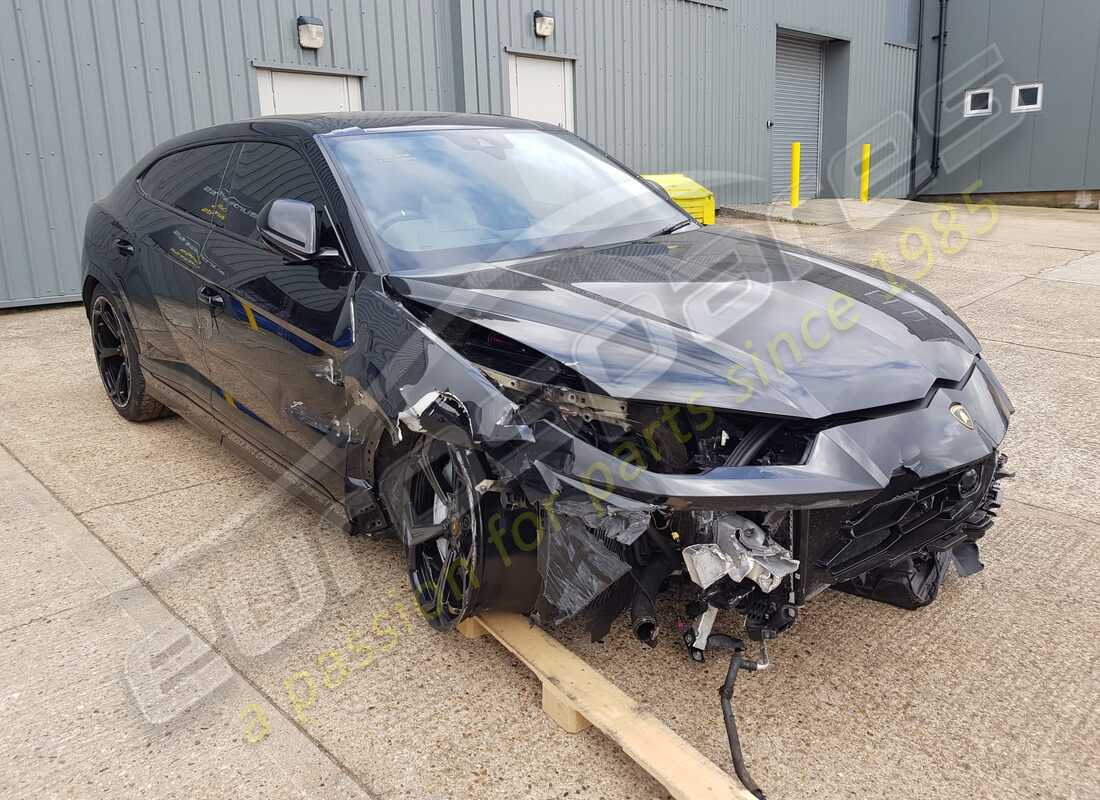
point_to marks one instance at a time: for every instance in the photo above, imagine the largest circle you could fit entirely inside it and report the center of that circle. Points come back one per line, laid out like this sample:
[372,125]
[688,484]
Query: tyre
[430,495]
[912,583]
[117,360]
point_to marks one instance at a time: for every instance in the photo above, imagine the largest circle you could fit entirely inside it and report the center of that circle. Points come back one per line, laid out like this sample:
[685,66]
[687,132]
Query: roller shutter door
[797,114]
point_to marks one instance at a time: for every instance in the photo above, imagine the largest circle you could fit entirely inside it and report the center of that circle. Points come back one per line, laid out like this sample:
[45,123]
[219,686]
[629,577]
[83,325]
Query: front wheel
[117,360]
[431,496]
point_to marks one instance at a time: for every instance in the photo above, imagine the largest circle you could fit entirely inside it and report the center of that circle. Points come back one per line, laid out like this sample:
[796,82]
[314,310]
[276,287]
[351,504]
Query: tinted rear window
[189,180]
[263,173]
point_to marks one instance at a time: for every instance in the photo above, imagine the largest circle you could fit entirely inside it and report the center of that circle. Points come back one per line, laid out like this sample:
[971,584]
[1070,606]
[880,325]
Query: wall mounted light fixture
[544,25]
[311,33]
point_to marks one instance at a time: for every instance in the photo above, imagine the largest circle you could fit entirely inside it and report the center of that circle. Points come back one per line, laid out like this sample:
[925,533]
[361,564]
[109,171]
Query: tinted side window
[189,180]
[264,172]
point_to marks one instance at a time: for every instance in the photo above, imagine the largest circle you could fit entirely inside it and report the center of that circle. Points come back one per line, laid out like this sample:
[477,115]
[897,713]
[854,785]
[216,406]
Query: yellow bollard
[796,171]
[865,175]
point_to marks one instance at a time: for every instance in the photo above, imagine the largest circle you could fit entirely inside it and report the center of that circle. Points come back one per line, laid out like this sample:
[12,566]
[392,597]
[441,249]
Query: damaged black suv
[487,338]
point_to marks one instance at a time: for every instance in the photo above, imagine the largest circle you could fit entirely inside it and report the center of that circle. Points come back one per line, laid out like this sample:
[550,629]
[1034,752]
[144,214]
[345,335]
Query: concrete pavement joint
[197,634]
[1036,347]
[1037,507]
[43,618]
[1045,245]
[162,492]
[991,294]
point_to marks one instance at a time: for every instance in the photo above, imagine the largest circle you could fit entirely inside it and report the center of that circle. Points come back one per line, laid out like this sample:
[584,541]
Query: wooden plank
[575,696]
[470,628]
[558,708]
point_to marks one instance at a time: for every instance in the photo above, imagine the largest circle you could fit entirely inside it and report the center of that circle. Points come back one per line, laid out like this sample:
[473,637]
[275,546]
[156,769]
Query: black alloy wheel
[445,531]
[112,358]
[117,361]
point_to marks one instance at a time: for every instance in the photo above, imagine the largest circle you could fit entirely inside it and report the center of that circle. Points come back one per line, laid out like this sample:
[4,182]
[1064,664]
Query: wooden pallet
[576,696]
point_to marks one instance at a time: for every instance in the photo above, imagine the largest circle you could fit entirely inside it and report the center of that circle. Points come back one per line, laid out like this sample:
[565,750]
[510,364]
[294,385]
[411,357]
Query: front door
[276,332]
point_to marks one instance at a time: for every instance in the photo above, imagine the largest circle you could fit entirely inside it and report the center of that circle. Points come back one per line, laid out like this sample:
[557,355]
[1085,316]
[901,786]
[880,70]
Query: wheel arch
[86,292]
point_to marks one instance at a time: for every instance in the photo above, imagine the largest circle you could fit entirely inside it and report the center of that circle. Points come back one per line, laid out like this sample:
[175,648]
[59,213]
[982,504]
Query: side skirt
[285,476]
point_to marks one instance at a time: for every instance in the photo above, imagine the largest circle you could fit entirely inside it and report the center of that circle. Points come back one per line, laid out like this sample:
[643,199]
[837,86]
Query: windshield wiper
[673,228]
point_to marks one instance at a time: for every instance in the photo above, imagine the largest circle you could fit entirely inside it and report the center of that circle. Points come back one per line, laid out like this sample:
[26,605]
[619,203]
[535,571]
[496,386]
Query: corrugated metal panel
[797,114]
[670,85]
[664,85]
[880,89]
[892,137]
[87,87]
[997,44]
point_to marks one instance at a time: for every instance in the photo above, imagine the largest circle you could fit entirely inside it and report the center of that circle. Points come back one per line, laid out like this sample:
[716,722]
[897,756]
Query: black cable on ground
[726,693]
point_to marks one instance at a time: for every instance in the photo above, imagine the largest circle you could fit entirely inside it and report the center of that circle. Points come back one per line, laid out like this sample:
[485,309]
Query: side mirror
[290,226]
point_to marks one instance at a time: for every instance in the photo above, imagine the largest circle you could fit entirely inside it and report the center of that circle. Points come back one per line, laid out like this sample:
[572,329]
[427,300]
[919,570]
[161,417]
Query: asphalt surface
[173,626]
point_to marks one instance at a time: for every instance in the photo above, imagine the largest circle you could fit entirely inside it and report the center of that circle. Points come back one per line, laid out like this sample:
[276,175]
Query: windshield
[437,198]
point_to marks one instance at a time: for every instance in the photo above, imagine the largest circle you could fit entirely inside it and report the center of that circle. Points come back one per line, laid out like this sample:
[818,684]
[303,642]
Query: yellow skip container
[695,199]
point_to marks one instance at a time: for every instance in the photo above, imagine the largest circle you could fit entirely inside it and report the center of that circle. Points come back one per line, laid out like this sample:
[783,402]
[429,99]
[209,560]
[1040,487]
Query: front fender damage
[581,532]
[758,537]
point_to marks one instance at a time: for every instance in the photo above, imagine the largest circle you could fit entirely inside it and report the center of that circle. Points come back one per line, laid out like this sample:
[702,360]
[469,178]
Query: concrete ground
[173,627]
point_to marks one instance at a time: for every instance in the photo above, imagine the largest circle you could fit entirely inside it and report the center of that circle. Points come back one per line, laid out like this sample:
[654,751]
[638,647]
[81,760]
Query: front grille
[910,514]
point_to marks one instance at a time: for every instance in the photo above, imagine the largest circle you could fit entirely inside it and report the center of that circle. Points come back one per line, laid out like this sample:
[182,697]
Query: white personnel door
[307,92]
[541,89]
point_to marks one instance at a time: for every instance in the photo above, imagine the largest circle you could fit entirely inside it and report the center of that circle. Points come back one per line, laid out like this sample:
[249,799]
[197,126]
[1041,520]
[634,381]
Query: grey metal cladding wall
[663,85]
[880,92]
[1070,45]
[998,43]
[88,86]
[687,86]
[654,80]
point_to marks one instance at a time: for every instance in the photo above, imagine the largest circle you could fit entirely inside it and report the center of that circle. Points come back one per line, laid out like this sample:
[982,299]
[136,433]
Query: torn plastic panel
[400,362]
[575,567]
[911,583]
[586,538]
[622,525]
[440,415]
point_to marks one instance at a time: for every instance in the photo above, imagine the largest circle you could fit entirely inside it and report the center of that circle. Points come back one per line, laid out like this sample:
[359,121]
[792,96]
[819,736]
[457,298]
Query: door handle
[125,247]
[326,371]
[211,297]
[337,432]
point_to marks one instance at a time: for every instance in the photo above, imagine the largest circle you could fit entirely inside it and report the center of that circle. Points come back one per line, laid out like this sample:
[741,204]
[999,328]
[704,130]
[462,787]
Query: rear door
[275,333]
[170,227]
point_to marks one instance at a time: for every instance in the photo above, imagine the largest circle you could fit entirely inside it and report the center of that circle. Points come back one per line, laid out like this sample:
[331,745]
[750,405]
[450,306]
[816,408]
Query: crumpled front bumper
[848,463]
[851,466]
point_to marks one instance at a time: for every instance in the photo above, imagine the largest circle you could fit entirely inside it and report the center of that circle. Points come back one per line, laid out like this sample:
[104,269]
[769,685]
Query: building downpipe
[941,44]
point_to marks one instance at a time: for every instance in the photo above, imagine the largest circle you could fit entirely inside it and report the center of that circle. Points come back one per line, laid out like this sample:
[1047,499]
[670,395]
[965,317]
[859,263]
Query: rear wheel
[431,496]
[117,360]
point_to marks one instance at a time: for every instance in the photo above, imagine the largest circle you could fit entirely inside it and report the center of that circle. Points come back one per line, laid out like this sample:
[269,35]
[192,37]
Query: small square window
[978,103]
[1027,97]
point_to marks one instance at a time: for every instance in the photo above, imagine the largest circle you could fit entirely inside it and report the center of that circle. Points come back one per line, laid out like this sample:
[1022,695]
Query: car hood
[715,318]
